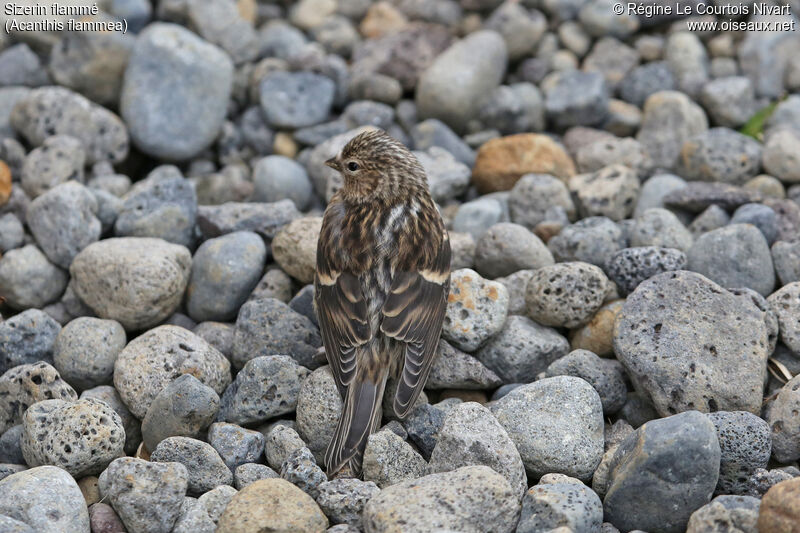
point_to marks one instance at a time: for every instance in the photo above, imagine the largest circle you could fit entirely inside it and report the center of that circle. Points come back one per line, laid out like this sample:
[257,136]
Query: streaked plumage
[381,286]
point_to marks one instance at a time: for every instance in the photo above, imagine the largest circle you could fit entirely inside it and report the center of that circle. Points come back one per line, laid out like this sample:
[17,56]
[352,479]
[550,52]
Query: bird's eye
[352,166]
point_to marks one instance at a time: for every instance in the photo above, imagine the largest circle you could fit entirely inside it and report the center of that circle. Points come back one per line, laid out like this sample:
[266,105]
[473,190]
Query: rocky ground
[624,321]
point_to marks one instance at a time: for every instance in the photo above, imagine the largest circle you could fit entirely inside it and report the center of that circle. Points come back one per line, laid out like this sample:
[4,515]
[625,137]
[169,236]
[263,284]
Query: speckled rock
[506,248]
[58,111]
[470,435]
[476,310]
[780,155]
[688,324]
[565,294]
[45,498]
[136,281]
[63,222]
[779,509]
[27,384]
[49,430]
[575,98]
[786,304]
[217,334]
[730,101]
[697,196]
[204,466]
[268,327]
[571,506]
[761,216]
[154,359]
[250,473]
[654,190]
[745,445]
[193,518]
[318,409]
[275,504]
[533,195]
[281,441]
[147,496]
[472,499]
[26,338]
[606,376]
[175,92]
[453,87]
[343,499]
[267,386]
[454,369]
[669,119]
[784,423]
[219,285]
[522,349]
[263,218]
[301,469]
[184,407]
[59,159]
[720,154]
[28,279]
[275,283]
[675,459]
[556,424]
[389,460]
[660,227]
[731,513]
[86,349]
[295,248]
[236,445]
[597,335]
[447,177]
[132,426]
[296,99]
[591,240]
[734,256]
[516,283]
[10,448]
[631,266]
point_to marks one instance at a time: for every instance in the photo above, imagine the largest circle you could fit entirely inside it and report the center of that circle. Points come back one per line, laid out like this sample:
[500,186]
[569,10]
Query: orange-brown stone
[501,162]
[780,508]
[5,183]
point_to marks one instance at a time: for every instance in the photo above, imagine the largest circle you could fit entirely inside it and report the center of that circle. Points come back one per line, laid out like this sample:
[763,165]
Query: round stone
[476,310]
[296,99]
[295,248]
[276,177]
[28,279]
[565,294]
[506,248]
[86,349]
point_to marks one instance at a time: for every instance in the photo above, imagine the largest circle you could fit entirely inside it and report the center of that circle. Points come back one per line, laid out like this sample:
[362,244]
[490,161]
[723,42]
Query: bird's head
[377,166]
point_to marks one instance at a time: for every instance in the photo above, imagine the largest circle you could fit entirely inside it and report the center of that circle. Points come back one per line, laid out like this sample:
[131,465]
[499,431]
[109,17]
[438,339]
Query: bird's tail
[361,416]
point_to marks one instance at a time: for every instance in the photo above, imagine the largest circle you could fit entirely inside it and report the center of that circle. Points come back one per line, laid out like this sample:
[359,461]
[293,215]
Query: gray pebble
[533,194]
[217,334]
[610,192]
[147,496]
[248,473]
[434,132]
[63,222]
[447,177]
[280,442]
[760,482]
[301,468]
[631,266]
[51,111]
[27,384]
[476,310]
[60,158]
[294,100]
[131,424]
[268,327]
[515,108]
[277,178]
[235,444]
[688,61]
[730,100]
[522,349]
[556,424]
[506,248]
[28,279]
[454,369]
[476,216]
[565,294]
[721,155]
[216,500]
[343,499]
[46,498]
[193,518]
[713,217]
[745,445]
[27,338]
[605,375]
[669,119]
[206,469]
[108,208]
[645,80]
[12,234]
[275,283]
[388,460]
[11,446]
[660,227]
[560,505]
[224,272]
[154,359]
[697,196]
[674,459]
[786,257]
[668,337]
[19,65]
[739,512]
[780,156]
[175,92]
[185,407]
[86,349]
[734,256]
[655,189]
[759,215]
[49,435]
[591,240]
[575,98]
[784,424]
[164,205]
[319,406]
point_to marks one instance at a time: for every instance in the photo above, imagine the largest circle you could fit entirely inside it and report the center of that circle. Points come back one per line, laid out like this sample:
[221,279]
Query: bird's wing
[342,315]
[413,313]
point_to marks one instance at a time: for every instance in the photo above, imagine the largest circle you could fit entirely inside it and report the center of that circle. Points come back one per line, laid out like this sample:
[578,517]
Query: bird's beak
[333,163]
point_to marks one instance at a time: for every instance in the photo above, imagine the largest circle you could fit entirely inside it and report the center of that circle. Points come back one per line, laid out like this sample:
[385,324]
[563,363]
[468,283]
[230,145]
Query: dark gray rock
[556,505]
[296,99]
[263,218]
[515,108]
[556,424]
[454,369]
[631,266]
[235,444]
[175,93]
[644,80]
[301,468]
[720,155]
[734,256]
[522,349]
[28,279]
[678,335]
[63,222]
[761,216]
[11,447]
[224,272]
[576,98]
[276,178]
[745,445]
[434,132]
[146,495]
[217,334]
[86,350]
[388,459]
[343,499]
[163,205]
[423,424]
[591,240]
[532,196]
[45,498]
[185,407]
[669,119]
[27,338]
[605,375]
[675,459]
[696,197]
[206,469]
[506,248]
[268,327]
[81,436]
[267,386]
[786,258]
[303,302]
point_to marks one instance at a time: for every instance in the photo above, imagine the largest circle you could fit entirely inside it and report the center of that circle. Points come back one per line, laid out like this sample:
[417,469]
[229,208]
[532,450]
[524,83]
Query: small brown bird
[381,287]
